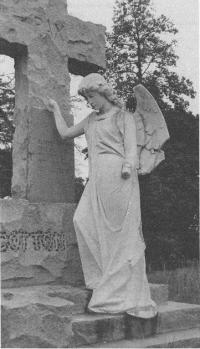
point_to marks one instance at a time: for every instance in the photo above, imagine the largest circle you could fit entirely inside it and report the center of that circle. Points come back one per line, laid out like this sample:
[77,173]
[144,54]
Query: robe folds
[108,223]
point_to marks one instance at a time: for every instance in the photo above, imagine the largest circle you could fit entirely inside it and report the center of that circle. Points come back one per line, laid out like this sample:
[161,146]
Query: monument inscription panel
[19,240]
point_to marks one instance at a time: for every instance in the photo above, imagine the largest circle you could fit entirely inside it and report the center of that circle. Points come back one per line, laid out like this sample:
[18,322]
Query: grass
[183,283]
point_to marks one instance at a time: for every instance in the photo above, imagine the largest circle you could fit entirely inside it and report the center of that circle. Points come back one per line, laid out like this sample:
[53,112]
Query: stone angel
[107,220]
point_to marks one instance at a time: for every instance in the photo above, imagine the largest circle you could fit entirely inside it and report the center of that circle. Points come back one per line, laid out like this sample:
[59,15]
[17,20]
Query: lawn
[184,283]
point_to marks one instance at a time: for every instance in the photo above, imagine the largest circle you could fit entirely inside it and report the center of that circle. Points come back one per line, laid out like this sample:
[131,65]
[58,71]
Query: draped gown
[107,220]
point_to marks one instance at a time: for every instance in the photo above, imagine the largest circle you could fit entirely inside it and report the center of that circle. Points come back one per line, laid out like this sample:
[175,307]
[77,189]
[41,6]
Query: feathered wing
[152,130]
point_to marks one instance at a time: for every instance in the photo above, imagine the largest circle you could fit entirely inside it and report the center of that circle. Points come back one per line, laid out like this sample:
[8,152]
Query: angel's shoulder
[125,119]
[91,115]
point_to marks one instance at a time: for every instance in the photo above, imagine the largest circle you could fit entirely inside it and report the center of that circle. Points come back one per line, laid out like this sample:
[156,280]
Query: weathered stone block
[40,316]
[91,329]
[98,329]
[38,244]
[176,339]
[52,316]
[35,326]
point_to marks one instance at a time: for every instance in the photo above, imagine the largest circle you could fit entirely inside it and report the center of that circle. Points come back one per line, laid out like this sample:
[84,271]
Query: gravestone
[38,240]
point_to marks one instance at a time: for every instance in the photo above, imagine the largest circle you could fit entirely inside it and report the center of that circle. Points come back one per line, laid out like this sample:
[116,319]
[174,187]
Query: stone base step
[177,339]
[77,295]
[173,316]
[53,316]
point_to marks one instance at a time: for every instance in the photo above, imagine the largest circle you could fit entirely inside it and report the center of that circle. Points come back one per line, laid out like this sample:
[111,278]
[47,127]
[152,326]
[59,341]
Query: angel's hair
[96,83]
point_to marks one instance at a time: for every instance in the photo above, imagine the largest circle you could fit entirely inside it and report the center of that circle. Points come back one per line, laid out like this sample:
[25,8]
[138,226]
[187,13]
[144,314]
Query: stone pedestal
[38,244]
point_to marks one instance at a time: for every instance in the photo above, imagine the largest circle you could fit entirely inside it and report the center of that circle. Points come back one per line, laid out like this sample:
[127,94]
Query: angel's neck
[109,109]
[106,108]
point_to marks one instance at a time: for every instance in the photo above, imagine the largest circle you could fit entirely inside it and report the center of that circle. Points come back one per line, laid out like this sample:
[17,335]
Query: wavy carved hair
[96,83]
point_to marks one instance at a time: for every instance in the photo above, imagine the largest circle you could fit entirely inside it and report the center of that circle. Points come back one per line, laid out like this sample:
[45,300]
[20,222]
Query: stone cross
[46,44]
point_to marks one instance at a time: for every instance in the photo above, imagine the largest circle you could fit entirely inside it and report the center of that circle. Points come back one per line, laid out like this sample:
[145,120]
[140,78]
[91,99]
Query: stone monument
[43,302]
[38,240]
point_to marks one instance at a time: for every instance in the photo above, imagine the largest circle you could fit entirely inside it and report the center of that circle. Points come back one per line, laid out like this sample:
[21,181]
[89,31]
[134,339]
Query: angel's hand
[139,171]
[126,171]
[51,104]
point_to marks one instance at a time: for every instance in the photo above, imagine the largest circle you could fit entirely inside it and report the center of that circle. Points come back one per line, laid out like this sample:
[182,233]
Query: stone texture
[40,316]
[53,316]
[46,44]
[38,244]
[35,326]
[91,329]
[65,298]
[177,339]
[25,20]
[182,343]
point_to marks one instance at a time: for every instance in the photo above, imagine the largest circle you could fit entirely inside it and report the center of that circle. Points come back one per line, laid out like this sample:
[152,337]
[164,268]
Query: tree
[5,172]
[7,103]
[170,199]
[137,53]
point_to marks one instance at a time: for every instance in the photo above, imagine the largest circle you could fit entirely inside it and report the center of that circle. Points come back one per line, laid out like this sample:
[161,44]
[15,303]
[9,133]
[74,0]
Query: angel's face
[96,100]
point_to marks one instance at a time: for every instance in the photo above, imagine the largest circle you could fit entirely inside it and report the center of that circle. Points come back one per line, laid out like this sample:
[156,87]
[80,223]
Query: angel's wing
[152,130]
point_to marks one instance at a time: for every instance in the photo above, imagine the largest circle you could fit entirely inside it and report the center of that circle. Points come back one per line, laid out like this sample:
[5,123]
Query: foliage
[7,102]
[169,196]
[79,187]
[137,53]
[183,282]
[85,152]
[5,172]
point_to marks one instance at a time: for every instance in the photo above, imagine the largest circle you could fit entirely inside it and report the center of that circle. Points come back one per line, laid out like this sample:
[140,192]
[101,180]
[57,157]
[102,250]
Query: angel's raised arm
[74,131]
[65,131]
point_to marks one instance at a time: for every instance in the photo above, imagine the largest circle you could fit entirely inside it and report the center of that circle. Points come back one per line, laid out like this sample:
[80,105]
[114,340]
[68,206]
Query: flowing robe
[107,220]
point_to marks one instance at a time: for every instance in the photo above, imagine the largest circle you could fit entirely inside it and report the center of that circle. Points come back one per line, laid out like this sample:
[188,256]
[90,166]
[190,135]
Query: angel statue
[107,220]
